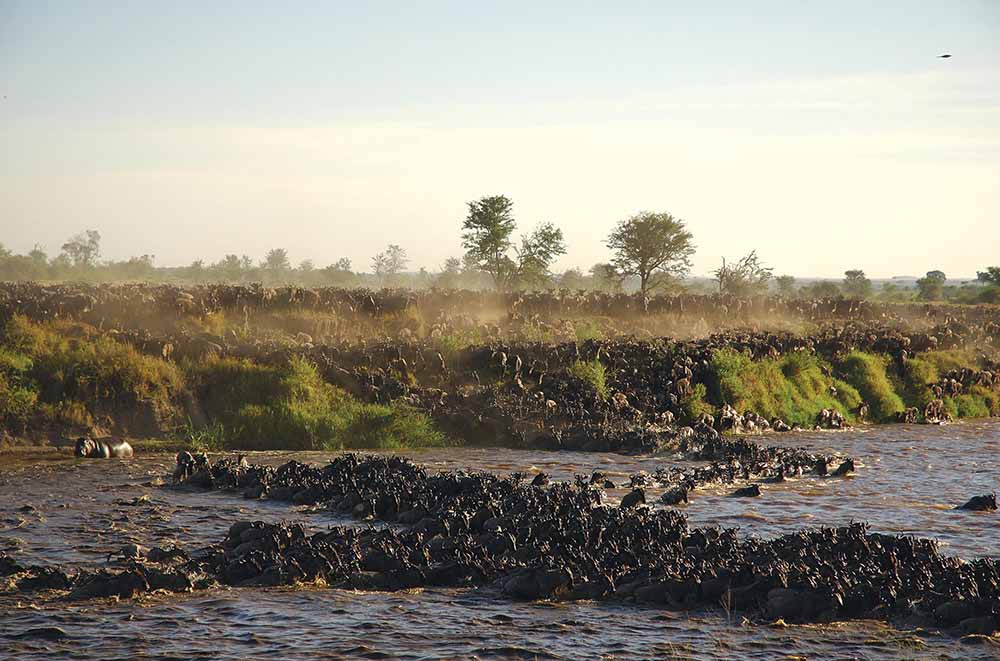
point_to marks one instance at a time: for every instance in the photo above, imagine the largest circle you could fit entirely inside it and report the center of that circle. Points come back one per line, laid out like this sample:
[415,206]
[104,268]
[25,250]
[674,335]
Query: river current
[74,513]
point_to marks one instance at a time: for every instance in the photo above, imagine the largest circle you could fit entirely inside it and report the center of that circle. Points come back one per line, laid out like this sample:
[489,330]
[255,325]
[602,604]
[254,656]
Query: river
[73,513]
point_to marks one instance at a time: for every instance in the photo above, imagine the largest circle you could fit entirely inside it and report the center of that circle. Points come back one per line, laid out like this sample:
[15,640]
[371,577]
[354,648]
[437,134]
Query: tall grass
[868,374]
[68,376]
[60,373]
[795,387]
[290,406]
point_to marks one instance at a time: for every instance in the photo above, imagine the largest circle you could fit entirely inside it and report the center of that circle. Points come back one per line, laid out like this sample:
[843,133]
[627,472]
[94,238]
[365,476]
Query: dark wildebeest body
[980,503]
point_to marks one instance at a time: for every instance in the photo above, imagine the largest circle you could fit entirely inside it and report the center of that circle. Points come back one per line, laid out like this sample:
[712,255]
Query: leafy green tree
[276,261]
[387,265]
[136,268]
[785,284]
[535,256]
[856,285]
[572,279]
[605,277]
[650,244]
[931,286]
[38,255]
[84,248]
[450,276]
[228,269]
[821,289]
[340,273]
[991,276]
[196,271]
[746,277]
[486,237]
[890,291]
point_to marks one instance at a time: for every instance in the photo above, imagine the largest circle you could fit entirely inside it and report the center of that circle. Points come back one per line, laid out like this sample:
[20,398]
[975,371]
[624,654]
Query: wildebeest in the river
[980,503]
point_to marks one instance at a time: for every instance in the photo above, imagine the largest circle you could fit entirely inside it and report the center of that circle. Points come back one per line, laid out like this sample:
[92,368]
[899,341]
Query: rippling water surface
[75,512]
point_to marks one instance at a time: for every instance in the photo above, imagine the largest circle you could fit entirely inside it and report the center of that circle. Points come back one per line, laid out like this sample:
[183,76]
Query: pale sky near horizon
[827,137]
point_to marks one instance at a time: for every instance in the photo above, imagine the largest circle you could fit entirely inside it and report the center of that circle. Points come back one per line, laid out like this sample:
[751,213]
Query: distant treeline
[529,269]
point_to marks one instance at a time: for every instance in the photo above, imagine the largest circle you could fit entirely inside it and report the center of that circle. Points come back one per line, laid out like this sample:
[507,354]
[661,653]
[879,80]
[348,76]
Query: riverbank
[260,390]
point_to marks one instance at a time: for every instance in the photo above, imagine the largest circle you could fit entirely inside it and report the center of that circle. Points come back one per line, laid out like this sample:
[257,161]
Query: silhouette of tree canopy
[84,248]
[745,277]
[856,284]
[650,244]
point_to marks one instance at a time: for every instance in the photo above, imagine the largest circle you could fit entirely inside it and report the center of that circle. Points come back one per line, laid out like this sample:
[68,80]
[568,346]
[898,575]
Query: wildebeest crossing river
[75,513]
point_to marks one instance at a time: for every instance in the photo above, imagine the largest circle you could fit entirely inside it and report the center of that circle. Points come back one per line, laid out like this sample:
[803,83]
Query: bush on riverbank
[69,379]
[868,374]
[794,387]
[592,373]
[291,407]
[66,374]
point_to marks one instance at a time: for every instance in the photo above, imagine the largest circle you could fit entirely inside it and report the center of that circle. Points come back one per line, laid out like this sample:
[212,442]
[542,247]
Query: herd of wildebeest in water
[508,382]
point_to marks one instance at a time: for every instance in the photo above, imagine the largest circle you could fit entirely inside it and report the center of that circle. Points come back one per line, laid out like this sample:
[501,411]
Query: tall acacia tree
[651,244]
[486,237]
[747,276]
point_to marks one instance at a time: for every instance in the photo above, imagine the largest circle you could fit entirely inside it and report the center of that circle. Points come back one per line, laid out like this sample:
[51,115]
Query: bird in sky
[945,55]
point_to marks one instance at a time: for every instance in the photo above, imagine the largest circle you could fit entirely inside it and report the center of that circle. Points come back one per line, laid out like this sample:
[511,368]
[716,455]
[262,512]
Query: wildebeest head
[83,448]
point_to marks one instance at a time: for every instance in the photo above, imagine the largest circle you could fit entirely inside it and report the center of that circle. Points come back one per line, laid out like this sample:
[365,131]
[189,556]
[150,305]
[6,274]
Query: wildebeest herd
[495,366]
[534,540]
[507,383]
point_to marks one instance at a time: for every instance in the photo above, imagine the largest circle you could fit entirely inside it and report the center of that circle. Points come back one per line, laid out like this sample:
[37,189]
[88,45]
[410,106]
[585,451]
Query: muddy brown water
[74,513]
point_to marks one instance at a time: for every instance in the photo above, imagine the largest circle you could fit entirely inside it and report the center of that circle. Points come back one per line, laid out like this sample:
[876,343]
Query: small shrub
[592,373]
[210,438]
[968,406]
[990,399]
[587,329]
[390,427]
[694,405]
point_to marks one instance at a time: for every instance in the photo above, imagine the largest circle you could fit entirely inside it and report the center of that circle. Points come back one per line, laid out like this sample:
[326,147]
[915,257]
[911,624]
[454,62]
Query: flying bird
[946,55]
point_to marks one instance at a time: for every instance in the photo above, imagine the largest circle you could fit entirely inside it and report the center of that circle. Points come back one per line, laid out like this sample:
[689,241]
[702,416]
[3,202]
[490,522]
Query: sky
[827,136]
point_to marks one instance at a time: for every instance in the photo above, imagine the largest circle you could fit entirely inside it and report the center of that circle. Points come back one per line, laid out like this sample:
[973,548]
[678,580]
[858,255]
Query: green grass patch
[693,406]
[66,374]
[867,374]
[795,387]
[587,329]
[290,406]
[592,373]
